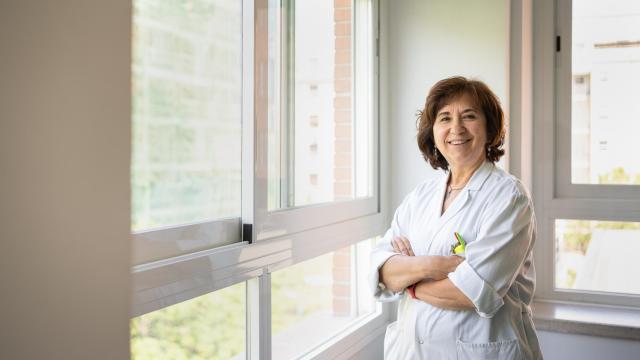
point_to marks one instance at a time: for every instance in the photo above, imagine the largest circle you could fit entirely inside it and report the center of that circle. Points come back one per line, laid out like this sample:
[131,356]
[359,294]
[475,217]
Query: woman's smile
[458,141]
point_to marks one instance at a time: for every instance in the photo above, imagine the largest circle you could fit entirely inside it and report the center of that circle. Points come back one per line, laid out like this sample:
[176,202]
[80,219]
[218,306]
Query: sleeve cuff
[482,294]
[380,292]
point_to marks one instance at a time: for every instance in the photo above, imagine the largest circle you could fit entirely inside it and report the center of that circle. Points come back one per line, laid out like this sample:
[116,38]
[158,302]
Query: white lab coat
[494,215]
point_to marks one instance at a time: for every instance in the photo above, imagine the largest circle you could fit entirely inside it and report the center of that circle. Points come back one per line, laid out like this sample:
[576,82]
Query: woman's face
[460,133]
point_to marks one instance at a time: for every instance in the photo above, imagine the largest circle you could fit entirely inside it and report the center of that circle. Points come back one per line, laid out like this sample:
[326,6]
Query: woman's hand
[441,266]
[401,245]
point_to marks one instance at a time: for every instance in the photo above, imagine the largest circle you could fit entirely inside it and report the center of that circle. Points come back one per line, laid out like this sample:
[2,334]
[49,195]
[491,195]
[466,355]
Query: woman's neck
[461,175]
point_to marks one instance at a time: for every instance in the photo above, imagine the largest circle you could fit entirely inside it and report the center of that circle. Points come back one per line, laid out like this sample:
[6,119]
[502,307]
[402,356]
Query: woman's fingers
[452,262]
[407,246]
[402,246]
[395,245]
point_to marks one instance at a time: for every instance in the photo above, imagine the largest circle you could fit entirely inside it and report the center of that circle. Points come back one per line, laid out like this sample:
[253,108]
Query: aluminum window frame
[249,248]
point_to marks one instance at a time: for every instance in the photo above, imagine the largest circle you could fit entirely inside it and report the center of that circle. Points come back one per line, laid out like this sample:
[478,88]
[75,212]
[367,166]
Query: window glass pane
[326,114]
[598,256]
[186,78]
[319,298]
[605,92]
[211,326]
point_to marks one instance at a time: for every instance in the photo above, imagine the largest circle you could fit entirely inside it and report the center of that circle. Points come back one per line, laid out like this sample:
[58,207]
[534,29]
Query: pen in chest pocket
[459,246]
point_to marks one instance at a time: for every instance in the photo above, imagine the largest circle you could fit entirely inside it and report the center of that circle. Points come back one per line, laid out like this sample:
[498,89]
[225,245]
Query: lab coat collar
[480,176]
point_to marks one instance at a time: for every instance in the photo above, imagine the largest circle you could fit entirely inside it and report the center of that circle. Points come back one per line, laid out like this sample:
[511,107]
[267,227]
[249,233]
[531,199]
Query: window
[585,182]
[254,176]
[319,298]
[330,83]
[187,120]
[590,255]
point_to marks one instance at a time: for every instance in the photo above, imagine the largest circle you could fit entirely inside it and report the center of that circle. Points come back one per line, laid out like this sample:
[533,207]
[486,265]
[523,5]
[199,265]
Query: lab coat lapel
[458,204]
[475,183]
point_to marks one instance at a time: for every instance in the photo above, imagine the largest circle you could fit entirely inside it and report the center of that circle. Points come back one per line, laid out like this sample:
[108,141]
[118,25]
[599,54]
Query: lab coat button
[421,342]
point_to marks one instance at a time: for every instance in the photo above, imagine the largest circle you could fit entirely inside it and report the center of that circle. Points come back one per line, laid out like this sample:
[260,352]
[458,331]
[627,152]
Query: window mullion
[259,117]
[259,318]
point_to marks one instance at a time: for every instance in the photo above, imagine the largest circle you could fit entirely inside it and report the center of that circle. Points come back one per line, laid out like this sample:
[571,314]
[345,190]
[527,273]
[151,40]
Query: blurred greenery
[211,326]
[618,176]
[571,278]
[577,236]
[577,233]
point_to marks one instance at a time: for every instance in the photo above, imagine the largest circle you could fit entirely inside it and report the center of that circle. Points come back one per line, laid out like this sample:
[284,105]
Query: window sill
[587,319]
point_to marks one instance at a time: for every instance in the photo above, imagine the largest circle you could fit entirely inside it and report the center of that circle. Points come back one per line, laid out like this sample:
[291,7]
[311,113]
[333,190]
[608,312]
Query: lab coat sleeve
[494,259]
[384,250]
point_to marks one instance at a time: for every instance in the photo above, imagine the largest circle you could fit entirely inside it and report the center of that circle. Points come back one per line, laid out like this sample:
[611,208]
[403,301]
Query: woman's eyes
[465,117]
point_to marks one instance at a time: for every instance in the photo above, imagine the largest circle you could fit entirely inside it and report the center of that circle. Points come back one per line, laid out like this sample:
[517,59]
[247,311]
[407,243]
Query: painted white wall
[561,346]
[64,173]
[431,40]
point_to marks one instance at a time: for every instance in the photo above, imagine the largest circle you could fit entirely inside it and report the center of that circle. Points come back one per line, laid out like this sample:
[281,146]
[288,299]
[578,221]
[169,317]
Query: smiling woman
[472,303]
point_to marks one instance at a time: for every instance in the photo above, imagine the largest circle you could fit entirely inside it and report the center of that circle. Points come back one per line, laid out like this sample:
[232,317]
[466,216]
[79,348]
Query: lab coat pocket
[395,346]
[499,350]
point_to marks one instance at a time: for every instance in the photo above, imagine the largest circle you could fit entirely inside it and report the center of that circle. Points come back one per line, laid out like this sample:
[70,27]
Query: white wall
[64,179]
[431,40]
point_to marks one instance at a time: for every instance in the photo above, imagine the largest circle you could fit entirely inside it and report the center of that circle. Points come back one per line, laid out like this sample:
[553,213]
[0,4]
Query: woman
[473,304]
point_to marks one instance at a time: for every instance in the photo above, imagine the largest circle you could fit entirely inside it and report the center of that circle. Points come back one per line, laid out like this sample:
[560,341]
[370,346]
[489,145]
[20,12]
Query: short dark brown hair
[443,92]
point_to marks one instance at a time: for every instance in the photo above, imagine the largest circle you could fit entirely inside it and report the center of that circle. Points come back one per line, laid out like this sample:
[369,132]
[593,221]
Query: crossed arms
[429,273]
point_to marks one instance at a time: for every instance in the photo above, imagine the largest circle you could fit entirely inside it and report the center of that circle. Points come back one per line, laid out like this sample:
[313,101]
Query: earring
[435,151]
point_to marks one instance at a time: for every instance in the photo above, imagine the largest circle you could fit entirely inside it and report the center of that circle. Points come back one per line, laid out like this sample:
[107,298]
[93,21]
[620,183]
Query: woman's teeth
[458,142]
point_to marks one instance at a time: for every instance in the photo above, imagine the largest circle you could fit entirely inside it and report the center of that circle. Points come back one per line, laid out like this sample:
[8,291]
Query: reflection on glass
[186,78]
[211,326]
[597,256]
[605,92]
[316,299]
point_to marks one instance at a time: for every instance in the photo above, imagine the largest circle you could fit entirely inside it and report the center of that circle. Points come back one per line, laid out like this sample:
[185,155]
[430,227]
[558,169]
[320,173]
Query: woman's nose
[457,126]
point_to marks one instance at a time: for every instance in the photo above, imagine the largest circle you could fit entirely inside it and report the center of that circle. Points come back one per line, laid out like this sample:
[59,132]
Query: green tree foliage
[577,236]
[207,327]
[619,176]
